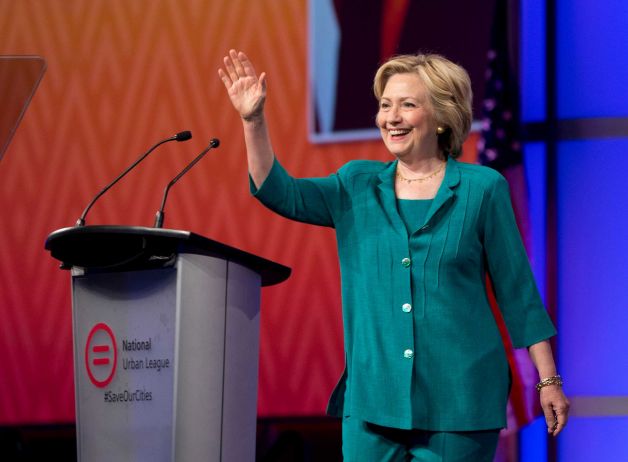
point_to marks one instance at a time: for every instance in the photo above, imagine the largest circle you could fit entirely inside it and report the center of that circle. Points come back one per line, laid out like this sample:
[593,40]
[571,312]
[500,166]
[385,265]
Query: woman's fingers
[230,68]
[555,408]
[247,65]
[560,422]
[237,64]
[225,78]
[561,411]
[550,418]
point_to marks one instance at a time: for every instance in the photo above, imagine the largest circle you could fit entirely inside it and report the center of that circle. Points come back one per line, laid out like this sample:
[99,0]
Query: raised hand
[246,91]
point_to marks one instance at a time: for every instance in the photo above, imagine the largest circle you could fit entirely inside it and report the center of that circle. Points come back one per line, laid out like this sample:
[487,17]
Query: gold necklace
[420,180]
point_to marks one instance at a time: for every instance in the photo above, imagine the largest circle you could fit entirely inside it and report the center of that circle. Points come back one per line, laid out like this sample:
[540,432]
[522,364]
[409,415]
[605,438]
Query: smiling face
[405,118]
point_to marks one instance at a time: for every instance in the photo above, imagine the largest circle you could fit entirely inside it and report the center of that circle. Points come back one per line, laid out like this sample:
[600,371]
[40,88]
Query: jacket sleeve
[315,201]
[515,289]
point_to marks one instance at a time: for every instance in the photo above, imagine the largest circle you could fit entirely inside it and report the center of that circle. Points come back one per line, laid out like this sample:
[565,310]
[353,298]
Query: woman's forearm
[259,151]
[543,359]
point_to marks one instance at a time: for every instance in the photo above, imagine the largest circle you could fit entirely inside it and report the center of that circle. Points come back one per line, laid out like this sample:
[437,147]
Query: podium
[166,343]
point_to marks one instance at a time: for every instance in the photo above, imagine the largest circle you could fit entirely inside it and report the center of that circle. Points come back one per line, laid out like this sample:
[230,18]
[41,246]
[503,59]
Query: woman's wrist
[548,381]
[254,117]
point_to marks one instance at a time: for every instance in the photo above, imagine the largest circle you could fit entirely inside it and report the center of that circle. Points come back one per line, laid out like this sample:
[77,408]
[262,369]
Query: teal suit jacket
[422,347]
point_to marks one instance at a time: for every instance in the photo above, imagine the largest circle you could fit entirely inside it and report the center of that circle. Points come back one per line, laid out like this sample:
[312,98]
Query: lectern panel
[241,364]
[199,386]
[124,364]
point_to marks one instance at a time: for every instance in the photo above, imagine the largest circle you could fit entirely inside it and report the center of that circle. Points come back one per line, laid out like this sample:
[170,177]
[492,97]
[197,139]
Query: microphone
[181,136]
[159,217]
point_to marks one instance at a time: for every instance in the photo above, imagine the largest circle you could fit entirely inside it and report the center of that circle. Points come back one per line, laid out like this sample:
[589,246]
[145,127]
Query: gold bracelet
[553,380]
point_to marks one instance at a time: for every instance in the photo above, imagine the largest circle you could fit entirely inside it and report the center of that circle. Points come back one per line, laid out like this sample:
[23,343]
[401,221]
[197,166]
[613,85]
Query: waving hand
[246,91]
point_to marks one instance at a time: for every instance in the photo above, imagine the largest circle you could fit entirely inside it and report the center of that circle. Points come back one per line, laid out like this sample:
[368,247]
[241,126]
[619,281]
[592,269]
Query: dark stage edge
[279,439]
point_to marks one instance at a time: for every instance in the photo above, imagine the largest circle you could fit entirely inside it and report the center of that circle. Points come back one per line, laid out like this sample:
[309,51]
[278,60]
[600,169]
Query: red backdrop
[121,75]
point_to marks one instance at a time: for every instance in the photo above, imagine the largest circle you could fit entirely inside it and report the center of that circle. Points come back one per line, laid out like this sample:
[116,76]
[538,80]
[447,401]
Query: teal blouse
[412,212]
[421,344]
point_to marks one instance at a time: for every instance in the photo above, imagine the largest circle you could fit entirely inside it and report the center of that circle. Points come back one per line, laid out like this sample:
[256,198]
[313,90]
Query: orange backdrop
[121,75]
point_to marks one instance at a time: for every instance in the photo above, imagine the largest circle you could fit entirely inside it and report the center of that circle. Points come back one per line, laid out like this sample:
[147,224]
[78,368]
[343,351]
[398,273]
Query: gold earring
[440,130]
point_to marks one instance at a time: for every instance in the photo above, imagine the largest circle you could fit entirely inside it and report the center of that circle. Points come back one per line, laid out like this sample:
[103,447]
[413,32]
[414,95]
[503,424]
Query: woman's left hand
[555,407]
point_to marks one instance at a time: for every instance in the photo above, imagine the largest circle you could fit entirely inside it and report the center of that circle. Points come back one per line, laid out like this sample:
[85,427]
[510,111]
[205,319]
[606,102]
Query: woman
[426,373]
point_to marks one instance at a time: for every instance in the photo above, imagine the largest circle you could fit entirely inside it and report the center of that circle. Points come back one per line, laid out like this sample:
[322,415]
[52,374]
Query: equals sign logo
[100,349]
[101,355]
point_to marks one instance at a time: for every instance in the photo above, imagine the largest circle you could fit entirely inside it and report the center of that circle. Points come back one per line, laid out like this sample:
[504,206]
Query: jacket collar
[386,185]
[446,191]
[444,195]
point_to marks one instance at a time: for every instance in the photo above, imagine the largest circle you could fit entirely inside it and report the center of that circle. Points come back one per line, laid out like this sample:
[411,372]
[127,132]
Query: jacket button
[406,307]
[408,354]
[406,262]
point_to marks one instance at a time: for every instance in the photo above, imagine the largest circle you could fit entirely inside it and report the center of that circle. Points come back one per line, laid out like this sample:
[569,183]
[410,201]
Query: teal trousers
[366,442]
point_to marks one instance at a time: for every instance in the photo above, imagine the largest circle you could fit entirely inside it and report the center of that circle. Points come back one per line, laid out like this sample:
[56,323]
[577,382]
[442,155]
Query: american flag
[499,147]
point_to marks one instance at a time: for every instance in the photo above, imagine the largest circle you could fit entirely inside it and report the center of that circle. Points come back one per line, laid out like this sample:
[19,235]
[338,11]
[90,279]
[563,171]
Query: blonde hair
[449,90]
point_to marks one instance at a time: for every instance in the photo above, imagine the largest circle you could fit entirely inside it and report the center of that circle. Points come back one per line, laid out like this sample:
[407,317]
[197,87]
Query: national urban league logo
[101,355]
